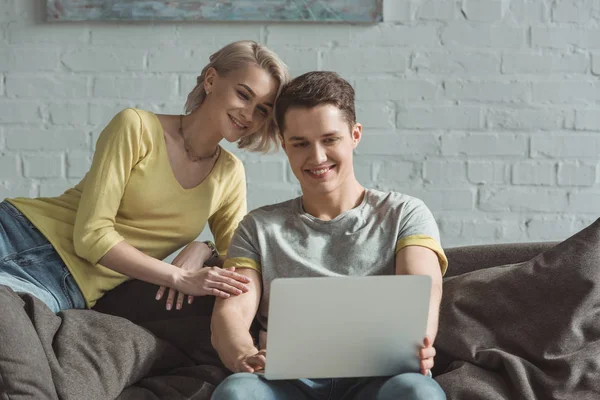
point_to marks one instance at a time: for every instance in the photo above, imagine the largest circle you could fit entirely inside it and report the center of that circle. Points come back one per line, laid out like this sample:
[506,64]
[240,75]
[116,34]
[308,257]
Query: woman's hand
[193,256]
[197,280]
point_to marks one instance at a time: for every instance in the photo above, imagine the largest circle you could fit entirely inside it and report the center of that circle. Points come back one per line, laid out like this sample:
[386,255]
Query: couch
[131,348]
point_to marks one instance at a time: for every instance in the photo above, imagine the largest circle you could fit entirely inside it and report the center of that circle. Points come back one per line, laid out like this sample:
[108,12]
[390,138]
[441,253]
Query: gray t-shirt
[282,240]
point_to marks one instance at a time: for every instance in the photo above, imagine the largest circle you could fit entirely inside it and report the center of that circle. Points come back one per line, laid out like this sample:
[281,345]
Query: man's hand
[426,354]
[200,280]
[251,362]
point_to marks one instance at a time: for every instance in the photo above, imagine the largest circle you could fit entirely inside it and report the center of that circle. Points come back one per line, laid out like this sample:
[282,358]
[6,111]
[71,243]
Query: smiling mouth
[237,123]
[319,172]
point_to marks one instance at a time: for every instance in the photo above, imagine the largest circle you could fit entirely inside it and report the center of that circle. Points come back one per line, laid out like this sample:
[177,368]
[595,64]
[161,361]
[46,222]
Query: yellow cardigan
[131,194]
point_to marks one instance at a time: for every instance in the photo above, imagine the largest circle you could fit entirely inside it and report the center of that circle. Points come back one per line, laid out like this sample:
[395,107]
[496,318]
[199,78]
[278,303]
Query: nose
[247,113]
[319,154]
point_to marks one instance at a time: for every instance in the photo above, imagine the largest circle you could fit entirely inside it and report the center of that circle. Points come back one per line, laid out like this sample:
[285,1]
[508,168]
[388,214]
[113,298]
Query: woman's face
[241,102]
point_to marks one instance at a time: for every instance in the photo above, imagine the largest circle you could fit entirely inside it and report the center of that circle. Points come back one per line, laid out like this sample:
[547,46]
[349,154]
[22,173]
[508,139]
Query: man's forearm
[417,260]
[434,310]
[231,337]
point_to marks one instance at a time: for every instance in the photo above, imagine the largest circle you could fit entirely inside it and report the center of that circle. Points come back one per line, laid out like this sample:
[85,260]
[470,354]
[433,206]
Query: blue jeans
[29,263]
[409,386]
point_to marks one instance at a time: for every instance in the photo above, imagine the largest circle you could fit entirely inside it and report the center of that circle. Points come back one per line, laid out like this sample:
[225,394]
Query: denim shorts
[30,264]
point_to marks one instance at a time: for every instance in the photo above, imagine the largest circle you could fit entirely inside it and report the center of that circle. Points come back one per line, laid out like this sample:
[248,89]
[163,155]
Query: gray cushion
[470,258]
[529,330]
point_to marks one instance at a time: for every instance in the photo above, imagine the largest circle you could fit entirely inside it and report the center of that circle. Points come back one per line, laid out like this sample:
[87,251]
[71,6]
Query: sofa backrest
[470,258]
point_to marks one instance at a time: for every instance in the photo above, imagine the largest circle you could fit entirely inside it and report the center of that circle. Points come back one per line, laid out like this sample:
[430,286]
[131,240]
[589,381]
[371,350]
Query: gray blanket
[525,331]
[85,354]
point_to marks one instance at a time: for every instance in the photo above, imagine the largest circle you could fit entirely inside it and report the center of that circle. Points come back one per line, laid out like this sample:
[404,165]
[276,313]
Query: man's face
[319,146]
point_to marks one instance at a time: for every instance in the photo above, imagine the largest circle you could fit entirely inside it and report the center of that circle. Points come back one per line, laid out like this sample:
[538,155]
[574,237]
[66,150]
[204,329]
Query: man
[336,228]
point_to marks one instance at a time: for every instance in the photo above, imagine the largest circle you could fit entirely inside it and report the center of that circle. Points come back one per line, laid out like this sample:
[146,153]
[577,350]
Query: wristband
[213,249]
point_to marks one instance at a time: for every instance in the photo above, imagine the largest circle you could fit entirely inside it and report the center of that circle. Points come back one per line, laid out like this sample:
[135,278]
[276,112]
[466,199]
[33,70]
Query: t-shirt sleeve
[225,220]
[244,250]
[418,228]
[117,152]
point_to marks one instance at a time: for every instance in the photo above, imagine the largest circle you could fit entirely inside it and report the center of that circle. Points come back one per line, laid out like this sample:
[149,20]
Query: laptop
[346,327]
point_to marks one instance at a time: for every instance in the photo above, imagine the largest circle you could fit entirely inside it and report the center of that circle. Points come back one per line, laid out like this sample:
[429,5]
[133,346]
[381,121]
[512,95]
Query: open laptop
[346,327]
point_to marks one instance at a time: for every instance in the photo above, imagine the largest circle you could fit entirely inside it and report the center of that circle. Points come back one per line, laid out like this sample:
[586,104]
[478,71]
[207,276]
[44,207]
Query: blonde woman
[154,183]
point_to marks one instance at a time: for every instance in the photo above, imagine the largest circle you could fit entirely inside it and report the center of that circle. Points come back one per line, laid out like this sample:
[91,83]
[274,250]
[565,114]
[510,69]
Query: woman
[154,182]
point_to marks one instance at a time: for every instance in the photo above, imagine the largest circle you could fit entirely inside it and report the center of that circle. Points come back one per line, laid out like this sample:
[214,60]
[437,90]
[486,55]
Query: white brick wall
[488,110]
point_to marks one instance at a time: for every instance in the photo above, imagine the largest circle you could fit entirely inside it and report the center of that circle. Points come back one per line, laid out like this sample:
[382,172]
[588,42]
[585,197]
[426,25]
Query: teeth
[238,123]
[319,171]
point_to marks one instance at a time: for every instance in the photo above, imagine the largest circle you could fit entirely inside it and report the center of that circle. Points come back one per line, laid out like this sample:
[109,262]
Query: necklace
[187,148]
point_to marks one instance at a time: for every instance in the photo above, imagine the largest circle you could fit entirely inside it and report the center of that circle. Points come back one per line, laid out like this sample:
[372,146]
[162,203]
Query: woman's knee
[411,386]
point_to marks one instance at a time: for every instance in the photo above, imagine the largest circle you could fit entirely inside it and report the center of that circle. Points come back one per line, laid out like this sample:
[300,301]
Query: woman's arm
[119,148]
[225,220]
[129,261]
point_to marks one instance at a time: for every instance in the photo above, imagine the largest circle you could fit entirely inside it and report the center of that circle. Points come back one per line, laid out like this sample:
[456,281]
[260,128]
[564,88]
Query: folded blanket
[85,354]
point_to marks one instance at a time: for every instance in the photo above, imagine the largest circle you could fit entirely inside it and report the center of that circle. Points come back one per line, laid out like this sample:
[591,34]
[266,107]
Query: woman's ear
[209,79]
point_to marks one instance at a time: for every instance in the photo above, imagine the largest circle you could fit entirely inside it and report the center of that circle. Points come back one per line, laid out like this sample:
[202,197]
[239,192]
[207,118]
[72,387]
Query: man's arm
[418,260]
[231,320]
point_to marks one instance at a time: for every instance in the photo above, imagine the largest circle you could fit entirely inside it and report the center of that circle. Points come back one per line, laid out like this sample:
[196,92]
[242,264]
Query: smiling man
[336,228]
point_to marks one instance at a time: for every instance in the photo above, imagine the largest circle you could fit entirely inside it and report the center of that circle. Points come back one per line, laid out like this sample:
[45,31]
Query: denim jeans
[408,386]
[29,263]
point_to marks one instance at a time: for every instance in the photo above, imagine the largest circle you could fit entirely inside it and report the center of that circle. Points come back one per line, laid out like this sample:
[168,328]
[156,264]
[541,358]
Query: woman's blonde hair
[237,55]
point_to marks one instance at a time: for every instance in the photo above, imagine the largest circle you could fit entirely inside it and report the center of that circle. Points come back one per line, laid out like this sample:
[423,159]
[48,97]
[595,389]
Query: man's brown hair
[314,89]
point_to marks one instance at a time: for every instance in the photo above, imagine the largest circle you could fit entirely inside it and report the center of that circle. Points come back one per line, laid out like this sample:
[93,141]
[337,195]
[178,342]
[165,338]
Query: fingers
[160,292]
[258,361]
[225,280]
[223,287]
[171,298]
[252,363]
[229,272]
[240,287]
[244,367]
[427,356]
[427,352]
[427,341]
[426,364]
[218,293]
[180,298]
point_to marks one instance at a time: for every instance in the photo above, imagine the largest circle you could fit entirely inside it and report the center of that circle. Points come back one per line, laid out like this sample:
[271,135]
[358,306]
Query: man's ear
[356,134]
[281,140]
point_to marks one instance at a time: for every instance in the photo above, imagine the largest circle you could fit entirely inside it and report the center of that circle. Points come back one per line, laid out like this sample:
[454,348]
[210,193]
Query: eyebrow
[329,134]
[252,93]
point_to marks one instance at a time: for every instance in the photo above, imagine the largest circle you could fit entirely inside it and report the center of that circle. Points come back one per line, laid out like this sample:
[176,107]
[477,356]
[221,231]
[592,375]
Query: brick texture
[488,110]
